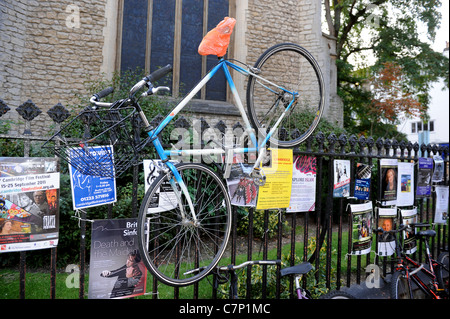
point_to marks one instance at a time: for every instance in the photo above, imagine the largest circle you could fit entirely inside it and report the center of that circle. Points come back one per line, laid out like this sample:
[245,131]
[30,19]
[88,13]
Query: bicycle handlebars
[235,267]
[148,81]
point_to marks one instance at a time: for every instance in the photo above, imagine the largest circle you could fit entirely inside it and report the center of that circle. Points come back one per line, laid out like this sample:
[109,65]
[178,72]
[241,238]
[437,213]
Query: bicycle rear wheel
[171,243]
[293,68]
[400,286]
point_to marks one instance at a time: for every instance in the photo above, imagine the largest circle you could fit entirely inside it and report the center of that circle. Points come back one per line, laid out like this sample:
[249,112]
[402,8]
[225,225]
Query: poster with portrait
[303,192]
[405,187]
[409,216]
[116,269]
[29,203]
[389,179]
[363,175]
[387,220]
[341,186]
[424,177]
[362,218]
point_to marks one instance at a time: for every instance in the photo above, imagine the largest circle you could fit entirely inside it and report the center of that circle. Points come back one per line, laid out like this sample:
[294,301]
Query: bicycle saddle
[217,40]
[427,233]
[299,269]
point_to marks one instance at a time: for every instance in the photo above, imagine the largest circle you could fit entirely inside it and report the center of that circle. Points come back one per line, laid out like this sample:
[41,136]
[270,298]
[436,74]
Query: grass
[38,283]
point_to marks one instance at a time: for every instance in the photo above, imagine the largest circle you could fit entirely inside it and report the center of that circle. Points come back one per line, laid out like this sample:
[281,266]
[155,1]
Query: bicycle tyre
[294,68]
[400,286]
[442,271]
[337,294]
[170,245]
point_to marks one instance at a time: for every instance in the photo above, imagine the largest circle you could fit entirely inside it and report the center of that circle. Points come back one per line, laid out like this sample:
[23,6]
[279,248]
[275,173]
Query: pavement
[379,290]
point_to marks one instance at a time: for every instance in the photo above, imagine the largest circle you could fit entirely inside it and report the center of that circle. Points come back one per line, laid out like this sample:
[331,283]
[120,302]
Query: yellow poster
[276,192]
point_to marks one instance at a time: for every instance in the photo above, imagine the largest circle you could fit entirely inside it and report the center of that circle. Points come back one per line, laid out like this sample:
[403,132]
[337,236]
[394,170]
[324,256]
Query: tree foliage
[387,31]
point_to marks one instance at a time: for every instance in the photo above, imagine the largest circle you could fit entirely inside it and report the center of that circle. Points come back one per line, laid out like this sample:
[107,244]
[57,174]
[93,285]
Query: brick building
[49,48]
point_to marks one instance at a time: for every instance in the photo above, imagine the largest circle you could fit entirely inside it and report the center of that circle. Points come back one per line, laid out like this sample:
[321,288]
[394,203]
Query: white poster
[164,198]
[341,178]
[405,187]
[441,215]
[303,192]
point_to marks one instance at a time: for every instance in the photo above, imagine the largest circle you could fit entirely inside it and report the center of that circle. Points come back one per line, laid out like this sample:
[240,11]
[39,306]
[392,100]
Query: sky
[442,34]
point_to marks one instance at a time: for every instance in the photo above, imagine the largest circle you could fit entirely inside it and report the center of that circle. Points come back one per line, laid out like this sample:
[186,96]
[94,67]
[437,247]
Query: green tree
[386,30]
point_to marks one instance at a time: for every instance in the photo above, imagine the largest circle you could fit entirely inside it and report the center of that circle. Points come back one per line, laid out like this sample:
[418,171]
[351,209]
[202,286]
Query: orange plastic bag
[217,40]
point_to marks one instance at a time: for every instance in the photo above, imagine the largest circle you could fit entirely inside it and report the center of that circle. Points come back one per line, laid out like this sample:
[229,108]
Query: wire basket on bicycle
[100,141]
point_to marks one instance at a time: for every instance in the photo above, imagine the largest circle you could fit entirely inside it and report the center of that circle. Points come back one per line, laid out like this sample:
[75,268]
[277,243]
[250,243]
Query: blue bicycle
[185,217]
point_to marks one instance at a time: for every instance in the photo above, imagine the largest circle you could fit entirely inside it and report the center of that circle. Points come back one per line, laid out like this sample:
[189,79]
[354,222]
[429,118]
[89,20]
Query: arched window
[155,33]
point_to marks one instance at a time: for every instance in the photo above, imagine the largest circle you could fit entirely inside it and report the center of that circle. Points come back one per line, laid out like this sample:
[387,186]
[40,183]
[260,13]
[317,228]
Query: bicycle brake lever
[154,90]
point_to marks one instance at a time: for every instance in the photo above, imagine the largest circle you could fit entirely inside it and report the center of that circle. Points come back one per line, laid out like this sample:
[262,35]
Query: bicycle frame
[413,275]
[224,65]
[419,268]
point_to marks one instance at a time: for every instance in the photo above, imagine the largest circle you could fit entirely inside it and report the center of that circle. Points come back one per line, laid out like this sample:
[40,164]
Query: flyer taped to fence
[389,178]
[405,187]
[409,216]
[424,177]
[362,216]
[276,192]
[29,203]
[387,220]
[303,191]
[164,198]
[116,269]
[90,190]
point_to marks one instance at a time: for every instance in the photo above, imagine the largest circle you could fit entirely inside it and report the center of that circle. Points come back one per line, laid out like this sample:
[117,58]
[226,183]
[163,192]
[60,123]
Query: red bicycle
[431,278]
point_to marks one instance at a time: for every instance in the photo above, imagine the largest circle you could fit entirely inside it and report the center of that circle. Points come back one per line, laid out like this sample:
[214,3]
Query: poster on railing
[409,216]
[441,214]
[242,189]
[303,191]
[387,220]
[116,269]
[424,177]
[90,190]
[438,172]
[362,216]
[389,178]
[276,192]
[164,198]
[29,203]
[363,175]
[341,178]
[405,187]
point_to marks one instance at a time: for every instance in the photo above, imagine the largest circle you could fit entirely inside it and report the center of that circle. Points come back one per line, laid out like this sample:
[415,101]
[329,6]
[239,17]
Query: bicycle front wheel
[400,286]
[289,68]
[172,242]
